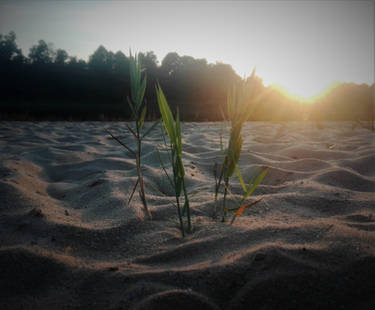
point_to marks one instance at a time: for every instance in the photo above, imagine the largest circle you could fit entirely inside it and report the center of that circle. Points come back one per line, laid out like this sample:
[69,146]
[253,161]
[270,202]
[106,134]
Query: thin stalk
[139,170]
[218,181]
[134,188]
[180,216]
[119,141]
[187,205]
[142,188]
[225,199]
[217,188]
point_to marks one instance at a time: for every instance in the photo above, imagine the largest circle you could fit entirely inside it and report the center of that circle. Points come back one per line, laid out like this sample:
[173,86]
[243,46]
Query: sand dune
[69,239]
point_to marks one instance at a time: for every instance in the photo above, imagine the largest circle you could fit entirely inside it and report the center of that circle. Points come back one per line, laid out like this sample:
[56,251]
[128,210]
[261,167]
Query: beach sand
[69,239]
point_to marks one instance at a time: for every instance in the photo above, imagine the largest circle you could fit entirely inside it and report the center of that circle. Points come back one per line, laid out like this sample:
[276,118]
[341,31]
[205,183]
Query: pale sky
[303,46]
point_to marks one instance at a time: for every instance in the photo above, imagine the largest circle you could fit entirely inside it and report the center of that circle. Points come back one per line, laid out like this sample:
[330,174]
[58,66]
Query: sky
[301,46]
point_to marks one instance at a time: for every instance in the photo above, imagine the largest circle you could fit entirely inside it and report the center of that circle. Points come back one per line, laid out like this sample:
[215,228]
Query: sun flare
[304,95]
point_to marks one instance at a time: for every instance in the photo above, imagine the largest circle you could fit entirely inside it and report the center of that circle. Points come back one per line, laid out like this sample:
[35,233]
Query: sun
[304,94]
[305,87]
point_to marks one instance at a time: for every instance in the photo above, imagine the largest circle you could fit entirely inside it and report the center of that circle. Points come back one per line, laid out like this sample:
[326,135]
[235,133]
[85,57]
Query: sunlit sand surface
[69,239]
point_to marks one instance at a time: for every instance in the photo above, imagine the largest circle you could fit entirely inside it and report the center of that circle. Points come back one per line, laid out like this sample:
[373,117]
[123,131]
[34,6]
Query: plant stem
[142,188]
[180,217]
[217,188]
[140,176]
[225,199]
[187,205]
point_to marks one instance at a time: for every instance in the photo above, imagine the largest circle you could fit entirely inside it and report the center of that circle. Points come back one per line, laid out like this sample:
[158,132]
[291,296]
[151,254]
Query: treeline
[347,101]
[48,83]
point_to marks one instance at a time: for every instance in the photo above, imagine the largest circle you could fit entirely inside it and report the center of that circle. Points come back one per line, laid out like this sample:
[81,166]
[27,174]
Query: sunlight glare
[304,95]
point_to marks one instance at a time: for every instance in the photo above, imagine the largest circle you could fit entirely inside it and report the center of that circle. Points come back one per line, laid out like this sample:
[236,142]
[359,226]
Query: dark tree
[101,61]
[61,57]
[120,64]
[170,65]
[42,53]
[8,48]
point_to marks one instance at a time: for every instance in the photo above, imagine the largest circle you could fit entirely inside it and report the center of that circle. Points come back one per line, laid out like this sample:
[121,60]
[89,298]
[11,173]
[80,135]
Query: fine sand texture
[70,240]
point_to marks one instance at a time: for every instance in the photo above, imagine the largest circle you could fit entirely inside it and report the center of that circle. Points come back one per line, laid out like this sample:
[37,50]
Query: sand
[69,239]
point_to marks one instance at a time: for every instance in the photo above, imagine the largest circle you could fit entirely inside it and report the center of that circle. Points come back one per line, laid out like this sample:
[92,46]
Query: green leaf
[180,167]
[133,78]
[234,150]
[178,187]
[131,107]
[166,115]
[186,206]
[137,85]
[178,134]
[253,186]
[142,118]
[252,180]
[141,92]
[150,128]
[173,129]
[240,178]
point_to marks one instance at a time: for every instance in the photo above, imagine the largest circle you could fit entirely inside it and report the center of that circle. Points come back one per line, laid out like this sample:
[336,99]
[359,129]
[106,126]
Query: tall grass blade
[173,129]
[134,115]
[141,93]
[178,134]
[166,114]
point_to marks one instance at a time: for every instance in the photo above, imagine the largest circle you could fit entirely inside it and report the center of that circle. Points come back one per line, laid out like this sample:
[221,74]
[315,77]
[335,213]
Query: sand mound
[346,179]
[70,239]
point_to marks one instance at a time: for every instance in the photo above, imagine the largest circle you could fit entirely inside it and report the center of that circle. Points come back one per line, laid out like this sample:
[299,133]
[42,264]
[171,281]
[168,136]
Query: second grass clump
[241,102]
[173,128]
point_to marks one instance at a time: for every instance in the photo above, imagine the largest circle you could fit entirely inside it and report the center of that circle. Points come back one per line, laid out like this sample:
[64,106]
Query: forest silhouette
[51,84]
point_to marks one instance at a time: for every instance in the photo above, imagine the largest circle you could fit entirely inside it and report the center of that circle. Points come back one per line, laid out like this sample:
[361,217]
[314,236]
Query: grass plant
[240,104]
[173,128]
[138,107]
